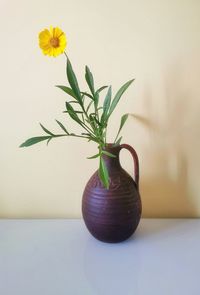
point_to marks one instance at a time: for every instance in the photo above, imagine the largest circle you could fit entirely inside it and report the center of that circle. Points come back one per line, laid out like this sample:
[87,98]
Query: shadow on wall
[165,195]
[165,187]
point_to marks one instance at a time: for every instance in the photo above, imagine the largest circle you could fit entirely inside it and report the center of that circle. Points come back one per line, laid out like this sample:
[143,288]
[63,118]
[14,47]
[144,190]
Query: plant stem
[105,135]
[91,130]
[74,135]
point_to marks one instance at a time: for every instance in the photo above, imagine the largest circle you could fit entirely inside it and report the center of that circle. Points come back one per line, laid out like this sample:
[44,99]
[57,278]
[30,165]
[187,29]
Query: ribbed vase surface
[112,215]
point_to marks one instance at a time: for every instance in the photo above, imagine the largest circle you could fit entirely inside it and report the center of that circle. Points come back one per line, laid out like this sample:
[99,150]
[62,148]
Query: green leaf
[49,140]
[83,98]
[93,139]
[118,141]
[107,100]
[34,140]
[89,105]
[93,157]
[62,126]
[82,116]
[77,112]
[67,90]
[73,81]
[87,94]
[106,105]
[90,137]
[92,121]
[95,119]
[100,89]
[108,154]
[96,99]
[103,173]
[123,121]
[72,113]
[73,101]
[118,96]
[90,80]
[46,130]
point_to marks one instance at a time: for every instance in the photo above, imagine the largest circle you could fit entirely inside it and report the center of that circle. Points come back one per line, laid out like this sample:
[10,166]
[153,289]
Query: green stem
[91,130]
[96,112]
[74,135]
[88,129]
[105,136]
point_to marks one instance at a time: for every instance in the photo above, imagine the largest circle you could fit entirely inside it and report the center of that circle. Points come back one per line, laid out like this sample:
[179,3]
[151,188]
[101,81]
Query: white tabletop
[59,257]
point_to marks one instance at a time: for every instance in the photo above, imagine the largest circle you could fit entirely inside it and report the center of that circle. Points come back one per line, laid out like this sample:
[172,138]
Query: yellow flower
[52,42]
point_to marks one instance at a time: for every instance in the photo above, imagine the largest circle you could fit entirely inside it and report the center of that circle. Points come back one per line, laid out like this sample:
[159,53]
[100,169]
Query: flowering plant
[84,107]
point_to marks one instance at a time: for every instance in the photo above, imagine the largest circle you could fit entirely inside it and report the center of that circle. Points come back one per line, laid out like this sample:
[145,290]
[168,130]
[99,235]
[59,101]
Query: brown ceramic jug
[112,215]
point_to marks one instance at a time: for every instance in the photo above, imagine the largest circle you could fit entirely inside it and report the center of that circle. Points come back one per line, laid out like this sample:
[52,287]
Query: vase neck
[112,163]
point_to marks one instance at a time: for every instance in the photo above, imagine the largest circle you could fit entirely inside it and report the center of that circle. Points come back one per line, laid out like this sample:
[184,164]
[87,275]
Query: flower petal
[48,48]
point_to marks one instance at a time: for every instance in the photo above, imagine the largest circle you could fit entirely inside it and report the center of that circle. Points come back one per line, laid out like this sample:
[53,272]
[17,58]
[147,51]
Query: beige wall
[155,41]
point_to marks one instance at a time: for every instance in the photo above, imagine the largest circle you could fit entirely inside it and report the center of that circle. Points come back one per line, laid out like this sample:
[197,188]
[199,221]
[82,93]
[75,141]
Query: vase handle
[136,161]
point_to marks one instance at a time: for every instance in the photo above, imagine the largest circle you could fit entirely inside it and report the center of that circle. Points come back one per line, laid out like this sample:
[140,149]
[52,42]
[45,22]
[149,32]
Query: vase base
[112,233]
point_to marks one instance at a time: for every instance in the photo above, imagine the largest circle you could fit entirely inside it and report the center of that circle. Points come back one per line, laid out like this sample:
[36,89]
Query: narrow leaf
[93,139]
[118,96]
[103,173]
[77,112]
[118,141]
[72,113]
[123,121]
[87,94]
[89,105]
[96,99]
[62,126]
[67,90]
[107,100]
[73,101]
[83,98]
[100,89]
[49,140]
[46,130]
[34,140]
[106,104]
[95,119]
[83,118]
[108,154]
[73,81]
[93,157]
[90,80]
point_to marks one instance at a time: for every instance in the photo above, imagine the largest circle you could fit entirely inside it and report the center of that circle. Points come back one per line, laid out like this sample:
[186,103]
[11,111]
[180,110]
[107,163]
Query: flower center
[54,42]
